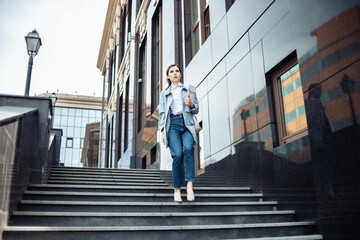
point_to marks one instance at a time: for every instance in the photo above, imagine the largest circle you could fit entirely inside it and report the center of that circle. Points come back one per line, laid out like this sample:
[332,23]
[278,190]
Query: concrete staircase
[87,203]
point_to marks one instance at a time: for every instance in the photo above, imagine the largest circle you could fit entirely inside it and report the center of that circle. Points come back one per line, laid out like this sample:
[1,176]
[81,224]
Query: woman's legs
[174,138]
[181,144]
[188,150]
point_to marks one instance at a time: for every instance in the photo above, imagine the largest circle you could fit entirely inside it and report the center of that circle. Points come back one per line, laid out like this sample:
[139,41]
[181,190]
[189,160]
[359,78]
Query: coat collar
[168,91]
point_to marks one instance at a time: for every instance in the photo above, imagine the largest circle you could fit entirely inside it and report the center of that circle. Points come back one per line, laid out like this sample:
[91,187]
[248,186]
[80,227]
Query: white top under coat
[176,106]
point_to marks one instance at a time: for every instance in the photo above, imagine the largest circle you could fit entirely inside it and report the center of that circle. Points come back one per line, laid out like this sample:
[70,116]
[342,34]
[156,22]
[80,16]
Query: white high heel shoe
[190,192]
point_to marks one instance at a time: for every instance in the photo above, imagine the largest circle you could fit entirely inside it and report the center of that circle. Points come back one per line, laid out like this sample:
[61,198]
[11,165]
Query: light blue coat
[164,111]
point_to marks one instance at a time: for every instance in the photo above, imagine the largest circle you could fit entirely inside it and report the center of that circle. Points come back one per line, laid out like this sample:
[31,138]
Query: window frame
[126,124]
[199,24]
[283,138]
[72,142]
[193,27]
[156,63]
[142,84]
[205,10]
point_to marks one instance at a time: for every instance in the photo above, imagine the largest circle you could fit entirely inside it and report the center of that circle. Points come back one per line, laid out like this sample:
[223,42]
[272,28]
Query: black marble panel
[238,51]
[219,41]
[242,15]
[261,96]
[241,100]
[218,117]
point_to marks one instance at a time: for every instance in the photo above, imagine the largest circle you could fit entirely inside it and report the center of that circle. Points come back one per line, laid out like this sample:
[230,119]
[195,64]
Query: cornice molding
[140,23]
[110,16]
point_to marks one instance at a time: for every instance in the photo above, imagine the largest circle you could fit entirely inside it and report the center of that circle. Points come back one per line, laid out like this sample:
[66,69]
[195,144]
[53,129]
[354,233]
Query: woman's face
[174,75]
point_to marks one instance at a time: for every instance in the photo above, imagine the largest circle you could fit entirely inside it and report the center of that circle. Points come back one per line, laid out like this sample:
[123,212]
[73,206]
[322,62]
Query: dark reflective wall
[317,172]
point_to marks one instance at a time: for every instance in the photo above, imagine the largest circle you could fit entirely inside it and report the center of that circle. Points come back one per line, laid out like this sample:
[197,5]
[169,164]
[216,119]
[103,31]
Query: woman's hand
[188,102]
[162,137]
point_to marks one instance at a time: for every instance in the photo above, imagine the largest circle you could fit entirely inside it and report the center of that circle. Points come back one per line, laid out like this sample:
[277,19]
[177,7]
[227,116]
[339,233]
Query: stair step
[136,197]
[114,170]
[161,232]
[303,237]
[129,175]
[99,206]
[129,180]
[146,219]
[92,203]
[107,183]
[149,189]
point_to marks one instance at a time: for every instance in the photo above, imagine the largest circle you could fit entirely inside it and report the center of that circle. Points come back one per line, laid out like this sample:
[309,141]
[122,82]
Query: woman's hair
[167,73]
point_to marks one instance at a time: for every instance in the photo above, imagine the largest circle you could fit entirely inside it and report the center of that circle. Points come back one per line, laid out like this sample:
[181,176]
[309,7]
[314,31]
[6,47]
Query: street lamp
[53,99]
[244,115]
[33,43]
[348,85]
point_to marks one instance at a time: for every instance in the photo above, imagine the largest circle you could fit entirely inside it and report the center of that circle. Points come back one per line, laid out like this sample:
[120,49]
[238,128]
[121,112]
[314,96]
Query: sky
[70,31]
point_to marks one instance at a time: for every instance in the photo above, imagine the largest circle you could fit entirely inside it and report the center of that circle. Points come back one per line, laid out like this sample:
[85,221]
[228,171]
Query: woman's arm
[162,115]
[162,111]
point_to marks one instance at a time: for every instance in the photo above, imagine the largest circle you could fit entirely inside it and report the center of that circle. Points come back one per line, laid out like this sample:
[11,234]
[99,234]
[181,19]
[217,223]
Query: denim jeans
[181,144]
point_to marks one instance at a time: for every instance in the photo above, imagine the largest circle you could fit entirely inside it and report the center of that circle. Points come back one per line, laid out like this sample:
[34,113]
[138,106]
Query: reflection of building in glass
[292,100]
[90,151]
[72,114]
[338,55]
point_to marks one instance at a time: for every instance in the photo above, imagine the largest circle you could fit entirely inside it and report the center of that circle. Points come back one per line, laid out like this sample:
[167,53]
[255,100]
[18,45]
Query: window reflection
[293,100]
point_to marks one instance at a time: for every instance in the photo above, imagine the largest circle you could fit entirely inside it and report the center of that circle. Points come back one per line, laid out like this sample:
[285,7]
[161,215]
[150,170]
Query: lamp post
[244,115]
[33,43]
[348,85]
[53,98]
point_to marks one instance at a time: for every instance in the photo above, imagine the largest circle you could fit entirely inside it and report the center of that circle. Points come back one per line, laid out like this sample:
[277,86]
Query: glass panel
[71,112]
[98,115]
[78,112]
[57,121]
[194,11]
[65,111]
[68,157]
[57,111]
[196,39]
[77,122]
[70,132]
[63,121]
[293,100]
[84,121]
[77,132]
[83,130]
[92,113]
[76,142]
[85,113]
[71,121]
[63,140]
[76,156]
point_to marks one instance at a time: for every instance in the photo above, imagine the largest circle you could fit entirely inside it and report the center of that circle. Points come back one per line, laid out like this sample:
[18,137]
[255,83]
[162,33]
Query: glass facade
[73,123]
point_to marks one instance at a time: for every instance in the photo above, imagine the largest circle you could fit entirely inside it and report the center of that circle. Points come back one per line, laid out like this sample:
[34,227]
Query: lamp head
[33,42]
[53,98]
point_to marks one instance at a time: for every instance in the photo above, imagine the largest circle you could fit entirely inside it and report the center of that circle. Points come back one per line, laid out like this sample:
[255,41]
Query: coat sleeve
[195,110]
[162,110]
